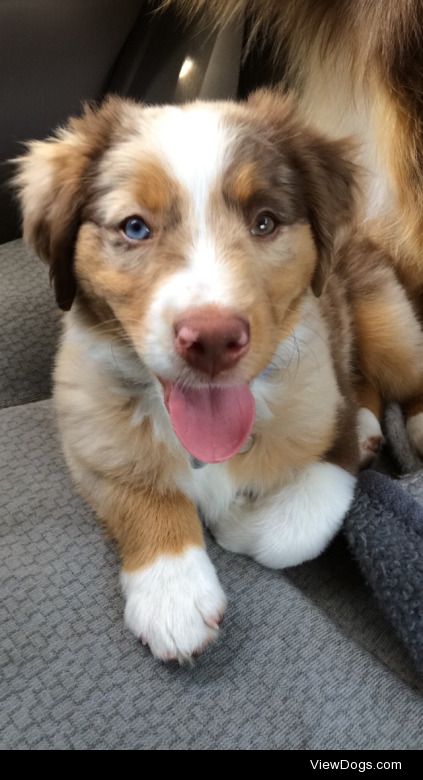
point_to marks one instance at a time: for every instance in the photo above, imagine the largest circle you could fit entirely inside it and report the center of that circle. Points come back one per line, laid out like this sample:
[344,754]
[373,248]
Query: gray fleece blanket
[384,530]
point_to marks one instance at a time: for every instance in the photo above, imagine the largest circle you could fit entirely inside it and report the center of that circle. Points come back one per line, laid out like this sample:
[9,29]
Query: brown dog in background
[356,68]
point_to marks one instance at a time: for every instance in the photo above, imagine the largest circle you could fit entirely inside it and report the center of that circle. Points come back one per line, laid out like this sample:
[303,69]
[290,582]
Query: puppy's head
[199,229]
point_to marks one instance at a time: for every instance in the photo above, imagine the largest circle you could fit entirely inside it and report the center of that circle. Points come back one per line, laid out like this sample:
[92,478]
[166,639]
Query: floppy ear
[329,188]
[52,181]
[328,177]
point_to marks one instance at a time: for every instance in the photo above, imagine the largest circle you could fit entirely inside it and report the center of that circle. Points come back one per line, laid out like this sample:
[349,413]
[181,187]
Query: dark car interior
[55,56]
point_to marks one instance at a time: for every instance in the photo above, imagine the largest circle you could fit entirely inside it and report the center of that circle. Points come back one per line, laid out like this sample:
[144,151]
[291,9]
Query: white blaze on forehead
[194,144]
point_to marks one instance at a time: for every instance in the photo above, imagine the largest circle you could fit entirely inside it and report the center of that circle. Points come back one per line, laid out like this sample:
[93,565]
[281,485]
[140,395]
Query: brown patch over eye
[245,182]
[262,180]
[153,188]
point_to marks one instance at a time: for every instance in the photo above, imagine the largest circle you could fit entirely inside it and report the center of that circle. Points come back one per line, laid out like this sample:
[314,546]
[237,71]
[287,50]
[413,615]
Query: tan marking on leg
[147,524]
[369,397]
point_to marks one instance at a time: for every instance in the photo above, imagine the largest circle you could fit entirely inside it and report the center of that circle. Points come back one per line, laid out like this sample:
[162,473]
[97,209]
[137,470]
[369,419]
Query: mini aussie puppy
[223,316]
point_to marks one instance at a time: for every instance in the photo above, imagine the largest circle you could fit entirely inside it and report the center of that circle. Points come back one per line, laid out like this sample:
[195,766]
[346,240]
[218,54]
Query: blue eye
[135,229]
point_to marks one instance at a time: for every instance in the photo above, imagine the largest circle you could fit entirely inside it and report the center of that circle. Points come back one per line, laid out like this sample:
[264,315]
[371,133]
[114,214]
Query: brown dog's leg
[147,524]
[174,601]
[389,340]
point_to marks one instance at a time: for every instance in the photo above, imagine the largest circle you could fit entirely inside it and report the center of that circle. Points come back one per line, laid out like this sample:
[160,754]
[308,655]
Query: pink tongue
[212,423]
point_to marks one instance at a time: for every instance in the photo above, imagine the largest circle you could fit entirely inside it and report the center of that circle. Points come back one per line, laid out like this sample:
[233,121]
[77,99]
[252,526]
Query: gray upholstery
[284,674]
[305,659]
[29,326]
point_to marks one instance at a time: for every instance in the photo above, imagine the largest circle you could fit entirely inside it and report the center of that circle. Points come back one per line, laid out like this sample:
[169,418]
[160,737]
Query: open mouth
[212,422]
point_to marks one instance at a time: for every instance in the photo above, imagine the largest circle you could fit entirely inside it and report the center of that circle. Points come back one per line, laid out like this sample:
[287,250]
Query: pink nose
[211,340]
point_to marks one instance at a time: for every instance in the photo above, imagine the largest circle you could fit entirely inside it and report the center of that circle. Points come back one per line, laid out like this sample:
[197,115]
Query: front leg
[293,524]
[174,601]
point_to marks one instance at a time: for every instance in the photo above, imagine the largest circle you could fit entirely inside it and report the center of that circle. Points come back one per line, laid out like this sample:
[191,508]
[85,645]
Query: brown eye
[264,225]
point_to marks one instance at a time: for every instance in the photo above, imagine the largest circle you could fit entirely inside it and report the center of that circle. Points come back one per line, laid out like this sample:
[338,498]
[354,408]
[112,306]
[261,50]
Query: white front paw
[175,604]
